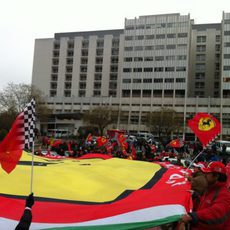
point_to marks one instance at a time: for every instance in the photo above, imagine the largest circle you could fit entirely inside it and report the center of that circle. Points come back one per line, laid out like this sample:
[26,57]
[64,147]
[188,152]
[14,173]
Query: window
[82,85]
[100,43]
[169,80]
[99,52]
[54,77]
[53,85]
[128,38]
[180,68]
[217,47]
[140,37]
[127,70]
[96,93]
[82,77]
[200,39]
[97,85]
[113,77]
[128,59]
[149,37]
[170,47]
[99,60]
[149,47]
[129,48]
[171,35]
[226,33]
[68,77]
[200,57]
[217,38]
[67,93]
[158,69]
[160,47]
[226,67]
[160,36]
[98,69]
[182,35]
[55,61]
[170,58]
[199,85]
[227,44]
[182,46]
[201,48]
[138,48]
[138,58]
[159,58]
[148,59]
[81,93]
[55,69]
[137,70]
[180,80]
[147,80]
[97,77]
[115,51]
[200,67]
[84,61]
[200,76]
[83,69]
[169,69]
[181,57]
[69,69]
[85,43]
[136,80]
[113,69]
[226,56]
[149,69]
[126,80]
[158,80]
[84,53]
[68,85]
[114,60]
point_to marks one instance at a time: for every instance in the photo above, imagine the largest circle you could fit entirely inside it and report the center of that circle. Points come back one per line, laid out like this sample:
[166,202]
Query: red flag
[101,141]
[177,143]
[205,126]
[20,136]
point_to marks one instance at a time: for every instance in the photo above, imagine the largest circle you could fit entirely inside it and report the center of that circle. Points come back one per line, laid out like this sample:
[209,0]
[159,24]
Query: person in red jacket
[213,211]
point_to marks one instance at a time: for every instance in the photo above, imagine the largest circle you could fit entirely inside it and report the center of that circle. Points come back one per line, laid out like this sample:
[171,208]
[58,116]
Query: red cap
[215,166]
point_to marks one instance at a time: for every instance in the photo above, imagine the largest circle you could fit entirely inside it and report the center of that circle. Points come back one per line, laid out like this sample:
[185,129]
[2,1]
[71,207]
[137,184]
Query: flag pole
[195,159]
[32,170]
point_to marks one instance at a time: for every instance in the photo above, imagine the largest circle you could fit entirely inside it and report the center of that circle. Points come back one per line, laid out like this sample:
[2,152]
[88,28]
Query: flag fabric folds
[95,193]
[20,136]
[205,126]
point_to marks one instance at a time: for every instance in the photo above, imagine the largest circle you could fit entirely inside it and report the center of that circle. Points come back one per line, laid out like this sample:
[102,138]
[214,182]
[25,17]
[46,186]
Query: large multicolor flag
[20,136]
[205,126]
[94,194]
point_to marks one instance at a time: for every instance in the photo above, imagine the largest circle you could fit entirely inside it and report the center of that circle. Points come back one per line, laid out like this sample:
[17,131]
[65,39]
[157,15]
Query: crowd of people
[209,181]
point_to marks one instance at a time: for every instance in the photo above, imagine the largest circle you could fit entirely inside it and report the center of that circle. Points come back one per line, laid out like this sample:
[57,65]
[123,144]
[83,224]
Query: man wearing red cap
[213,211]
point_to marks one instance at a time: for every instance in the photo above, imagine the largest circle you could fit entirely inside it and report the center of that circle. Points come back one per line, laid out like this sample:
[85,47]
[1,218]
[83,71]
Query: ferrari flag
[94,193]
[205,126]
[20,136]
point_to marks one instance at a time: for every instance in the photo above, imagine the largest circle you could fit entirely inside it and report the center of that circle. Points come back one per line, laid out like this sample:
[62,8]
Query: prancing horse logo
[206,124]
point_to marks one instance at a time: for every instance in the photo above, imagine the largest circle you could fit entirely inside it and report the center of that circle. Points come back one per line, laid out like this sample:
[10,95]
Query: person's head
[215,171]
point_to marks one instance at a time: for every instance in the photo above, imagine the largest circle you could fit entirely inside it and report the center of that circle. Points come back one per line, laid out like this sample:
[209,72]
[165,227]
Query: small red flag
[205,126]
[177,143]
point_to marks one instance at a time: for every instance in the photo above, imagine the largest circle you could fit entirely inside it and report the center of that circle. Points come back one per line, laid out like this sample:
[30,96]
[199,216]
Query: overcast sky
[22,21]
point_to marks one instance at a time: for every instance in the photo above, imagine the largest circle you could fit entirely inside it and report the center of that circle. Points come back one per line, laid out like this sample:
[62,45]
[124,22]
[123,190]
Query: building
[155,61]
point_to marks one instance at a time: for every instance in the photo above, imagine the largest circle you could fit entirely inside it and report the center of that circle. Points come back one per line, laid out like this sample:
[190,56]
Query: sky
[23,21]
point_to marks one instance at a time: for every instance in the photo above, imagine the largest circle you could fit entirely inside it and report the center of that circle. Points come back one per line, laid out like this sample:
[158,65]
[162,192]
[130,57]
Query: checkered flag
[29,124]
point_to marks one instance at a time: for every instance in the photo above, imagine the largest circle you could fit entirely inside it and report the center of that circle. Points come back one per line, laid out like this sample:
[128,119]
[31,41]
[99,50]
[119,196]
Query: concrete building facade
[155,61]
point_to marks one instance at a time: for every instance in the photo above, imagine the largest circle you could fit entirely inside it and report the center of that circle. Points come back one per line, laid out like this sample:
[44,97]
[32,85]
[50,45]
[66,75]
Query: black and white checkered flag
[29,124]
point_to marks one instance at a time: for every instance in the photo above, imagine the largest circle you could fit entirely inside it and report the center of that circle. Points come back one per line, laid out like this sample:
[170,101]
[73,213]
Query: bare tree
[15,97]
[100,117]
[163,121]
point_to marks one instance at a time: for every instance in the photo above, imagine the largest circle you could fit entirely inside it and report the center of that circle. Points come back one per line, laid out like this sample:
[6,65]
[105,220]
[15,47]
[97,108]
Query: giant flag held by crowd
[205,126]
[94,193]
[20,136]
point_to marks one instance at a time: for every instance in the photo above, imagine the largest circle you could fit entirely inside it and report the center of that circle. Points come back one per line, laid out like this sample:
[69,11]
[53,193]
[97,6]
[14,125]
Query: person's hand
[30,200]
[186,218]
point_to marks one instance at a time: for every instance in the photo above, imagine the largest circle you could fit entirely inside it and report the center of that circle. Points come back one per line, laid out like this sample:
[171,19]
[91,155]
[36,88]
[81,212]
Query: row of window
[156,69]
[157,25]
[154,93]
[156,58]
[157,36]
[156,80]
[156,47]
